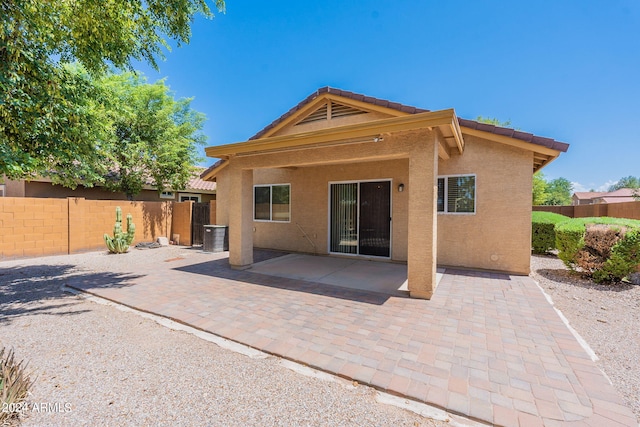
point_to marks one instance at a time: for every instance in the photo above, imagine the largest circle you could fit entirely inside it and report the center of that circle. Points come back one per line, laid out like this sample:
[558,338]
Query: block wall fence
[31,227]
[629,210]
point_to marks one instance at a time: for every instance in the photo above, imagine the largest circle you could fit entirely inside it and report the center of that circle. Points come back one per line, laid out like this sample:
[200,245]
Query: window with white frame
[457,194]
[272,202]
[167,195]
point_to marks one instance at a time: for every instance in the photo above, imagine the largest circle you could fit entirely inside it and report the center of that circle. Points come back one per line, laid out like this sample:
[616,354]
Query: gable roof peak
[341,93]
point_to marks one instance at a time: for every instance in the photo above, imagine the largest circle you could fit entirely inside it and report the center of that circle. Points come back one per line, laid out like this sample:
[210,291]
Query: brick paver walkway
[487,346]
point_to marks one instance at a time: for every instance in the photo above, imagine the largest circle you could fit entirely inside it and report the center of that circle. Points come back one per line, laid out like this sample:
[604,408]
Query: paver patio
[487,346]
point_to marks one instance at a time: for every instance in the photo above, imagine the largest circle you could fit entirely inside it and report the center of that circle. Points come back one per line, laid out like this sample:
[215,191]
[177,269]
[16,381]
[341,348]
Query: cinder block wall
[182,222]
[32,227]
[90,219]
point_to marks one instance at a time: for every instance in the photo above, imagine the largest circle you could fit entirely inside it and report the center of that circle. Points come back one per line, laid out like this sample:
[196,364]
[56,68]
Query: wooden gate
[199,218]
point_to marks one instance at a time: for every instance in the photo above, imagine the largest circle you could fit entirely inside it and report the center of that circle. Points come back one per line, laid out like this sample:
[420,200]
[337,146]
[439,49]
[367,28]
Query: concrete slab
[354,273]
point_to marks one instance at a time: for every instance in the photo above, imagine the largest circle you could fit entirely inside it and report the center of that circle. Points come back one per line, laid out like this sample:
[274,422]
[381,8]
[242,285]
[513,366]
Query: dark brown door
[199,218]
[375,218]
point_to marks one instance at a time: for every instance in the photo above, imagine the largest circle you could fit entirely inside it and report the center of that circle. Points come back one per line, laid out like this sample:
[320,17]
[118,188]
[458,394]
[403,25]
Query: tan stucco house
[345,174]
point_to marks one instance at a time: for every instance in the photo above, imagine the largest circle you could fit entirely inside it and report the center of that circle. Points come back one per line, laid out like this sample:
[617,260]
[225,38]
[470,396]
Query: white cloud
[578,187]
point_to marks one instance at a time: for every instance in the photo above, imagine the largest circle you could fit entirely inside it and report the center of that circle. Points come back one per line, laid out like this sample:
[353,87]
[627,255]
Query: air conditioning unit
[216,238]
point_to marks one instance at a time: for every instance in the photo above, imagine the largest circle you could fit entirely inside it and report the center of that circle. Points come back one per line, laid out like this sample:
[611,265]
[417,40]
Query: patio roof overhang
[444,120]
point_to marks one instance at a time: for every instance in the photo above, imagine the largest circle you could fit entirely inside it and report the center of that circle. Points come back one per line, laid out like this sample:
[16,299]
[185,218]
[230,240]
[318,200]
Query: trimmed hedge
[543,236]
[608,249]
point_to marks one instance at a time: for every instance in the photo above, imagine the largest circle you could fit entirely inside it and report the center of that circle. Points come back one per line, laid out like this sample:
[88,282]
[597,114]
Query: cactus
[120,242]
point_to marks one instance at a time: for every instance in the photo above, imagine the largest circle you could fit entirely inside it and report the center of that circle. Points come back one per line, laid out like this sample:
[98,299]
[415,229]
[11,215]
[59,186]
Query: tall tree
[152,138]
[626,182]
[559,191]
[43,106]
[540,194]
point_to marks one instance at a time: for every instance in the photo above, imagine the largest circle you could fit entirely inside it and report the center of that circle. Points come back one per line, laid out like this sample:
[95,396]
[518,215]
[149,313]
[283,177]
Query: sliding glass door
[360,218]
[344,218]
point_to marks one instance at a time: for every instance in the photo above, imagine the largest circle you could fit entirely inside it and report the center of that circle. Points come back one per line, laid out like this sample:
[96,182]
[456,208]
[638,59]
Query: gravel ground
[606,316]
[96,365]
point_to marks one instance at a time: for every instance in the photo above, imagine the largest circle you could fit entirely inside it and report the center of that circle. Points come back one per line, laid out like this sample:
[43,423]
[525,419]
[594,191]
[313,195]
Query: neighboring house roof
[617,199]
[617,196]
[194,185]
[471,124]
[197,184]
[587,195]
[622,192]
[545,149]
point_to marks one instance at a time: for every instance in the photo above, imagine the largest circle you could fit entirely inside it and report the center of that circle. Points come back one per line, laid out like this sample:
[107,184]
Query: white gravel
[606,316]
[96,365]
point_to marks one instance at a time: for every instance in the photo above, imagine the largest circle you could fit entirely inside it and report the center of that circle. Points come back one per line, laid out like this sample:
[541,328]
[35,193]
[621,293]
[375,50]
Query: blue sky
[569,70]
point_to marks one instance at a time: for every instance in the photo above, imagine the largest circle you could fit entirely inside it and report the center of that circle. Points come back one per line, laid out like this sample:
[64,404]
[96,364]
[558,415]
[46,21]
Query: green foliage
[151,137]
[624,259]
[555,192]
[120,242]
[620,260]
[543,236]
[559,192]
[14,382]
[47,125]
[540,195]
[493,121]
[626,182]
[569,241]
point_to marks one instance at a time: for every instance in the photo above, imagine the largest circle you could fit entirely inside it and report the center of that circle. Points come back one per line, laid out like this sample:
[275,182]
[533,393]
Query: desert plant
[543,236]
[14,384]
[120,242]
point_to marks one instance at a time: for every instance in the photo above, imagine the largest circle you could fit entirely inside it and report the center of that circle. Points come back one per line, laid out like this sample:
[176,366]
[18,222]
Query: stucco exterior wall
[498,235]
[310,205]
[14,188]
[309,171]
[223,188]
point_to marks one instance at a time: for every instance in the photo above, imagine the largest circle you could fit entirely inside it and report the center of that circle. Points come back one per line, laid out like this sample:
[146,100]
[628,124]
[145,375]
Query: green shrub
[14,383]
[607,253]
[624,259]
[543,236]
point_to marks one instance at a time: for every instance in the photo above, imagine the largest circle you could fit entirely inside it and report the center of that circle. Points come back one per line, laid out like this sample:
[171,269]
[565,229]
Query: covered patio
[407,148]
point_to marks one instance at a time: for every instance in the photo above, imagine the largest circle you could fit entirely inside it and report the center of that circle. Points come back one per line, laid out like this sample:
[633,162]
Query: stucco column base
[241,267]
[420,295]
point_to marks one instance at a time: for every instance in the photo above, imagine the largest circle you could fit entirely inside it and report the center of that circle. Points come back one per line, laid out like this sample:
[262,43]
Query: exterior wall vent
[319,114]
[332,111]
